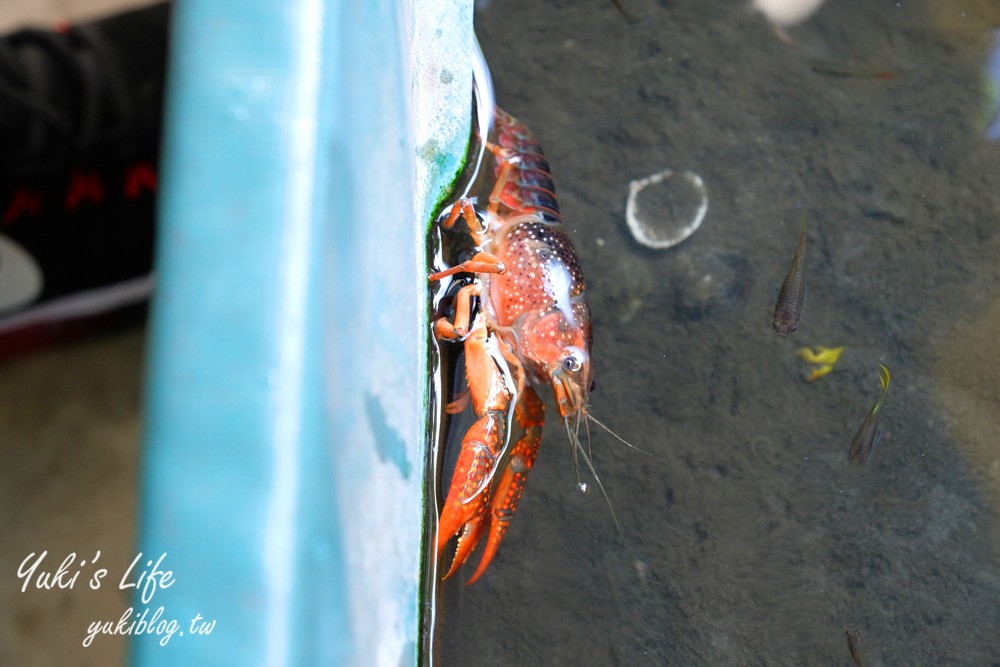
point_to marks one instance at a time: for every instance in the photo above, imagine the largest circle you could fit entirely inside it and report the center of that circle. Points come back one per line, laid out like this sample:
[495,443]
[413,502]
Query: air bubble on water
[665,208]
[581,487]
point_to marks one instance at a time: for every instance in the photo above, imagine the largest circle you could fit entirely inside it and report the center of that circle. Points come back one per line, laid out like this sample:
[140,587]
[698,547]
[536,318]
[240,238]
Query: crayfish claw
[467,543]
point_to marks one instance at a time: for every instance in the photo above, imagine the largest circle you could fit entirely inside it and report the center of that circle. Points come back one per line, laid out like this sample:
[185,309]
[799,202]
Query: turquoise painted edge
[442,48]
[236,465]
[286,394]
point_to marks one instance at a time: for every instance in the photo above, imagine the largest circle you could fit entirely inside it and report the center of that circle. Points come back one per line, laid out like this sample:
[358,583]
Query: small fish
[848,72]
[856,645]
[864,441]
[621,8]
[788,309]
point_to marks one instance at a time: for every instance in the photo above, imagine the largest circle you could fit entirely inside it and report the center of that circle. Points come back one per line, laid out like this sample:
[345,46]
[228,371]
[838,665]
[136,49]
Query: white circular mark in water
[786,13]
[664,215]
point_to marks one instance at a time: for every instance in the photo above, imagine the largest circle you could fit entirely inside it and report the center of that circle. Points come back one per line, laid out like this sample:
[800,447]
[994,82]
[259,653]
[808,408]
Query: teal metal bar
[283,457]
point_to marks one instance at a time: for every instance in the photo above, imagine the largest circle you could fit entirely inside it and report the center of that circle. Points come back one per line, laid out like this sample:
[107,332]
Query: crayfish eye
[573,361]
[593,385]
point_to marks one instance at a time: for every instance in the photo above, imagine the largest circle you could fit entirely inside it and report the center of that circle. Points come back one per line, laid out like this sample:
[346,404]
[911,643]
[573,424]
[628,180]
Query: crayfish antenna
[600,485]
[617,437]
[574,446]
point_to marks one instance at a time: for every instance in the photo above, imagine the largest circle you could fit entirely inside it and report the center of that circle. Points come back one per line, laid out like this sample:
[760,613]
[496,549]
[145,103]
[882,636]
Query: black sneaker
[80,116]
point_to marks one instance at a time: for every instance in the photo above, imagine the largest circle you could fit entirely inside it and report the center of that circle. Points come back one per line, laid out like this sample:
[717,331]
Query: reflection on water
[749,537]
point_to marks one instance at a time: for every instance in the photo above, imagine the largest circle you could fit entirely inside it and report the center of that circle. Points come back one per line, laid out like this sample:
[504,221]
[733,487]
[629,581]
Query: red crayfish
[531,329]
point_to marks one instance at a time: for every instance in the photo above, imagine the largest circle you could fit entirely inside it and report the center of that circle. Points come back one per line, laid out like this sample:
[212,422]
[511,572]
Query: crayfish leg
[481,262]
[464,208]
[530,415]
[459,404]
[445,330]
[466,505]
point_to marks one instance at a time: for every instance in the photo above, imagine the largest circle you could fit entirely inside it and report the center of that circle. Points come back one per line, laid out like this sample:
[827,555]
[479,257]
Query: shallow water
[749,538]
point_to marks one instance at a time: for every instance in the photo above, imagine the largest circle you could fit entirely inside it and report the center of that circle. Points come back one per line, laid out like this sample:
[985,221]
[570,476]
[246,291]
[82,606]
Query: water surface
[750,540]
